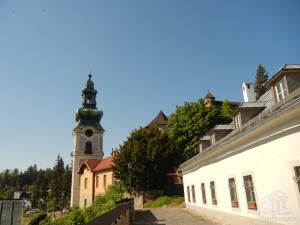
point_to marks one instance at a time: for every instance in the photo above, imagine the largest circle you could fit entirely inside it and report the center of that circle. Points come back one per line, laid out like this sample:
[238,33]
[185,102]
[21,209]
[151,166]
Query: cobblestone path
[171,216]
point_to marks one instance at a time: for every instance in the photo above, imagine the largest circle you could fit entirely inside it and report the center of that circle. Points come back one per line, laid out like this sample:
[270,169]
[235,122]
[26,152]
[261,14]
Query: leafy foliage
[260,78]
[37,219]
[226,110]
[192,121]
[101,204]
[141,163]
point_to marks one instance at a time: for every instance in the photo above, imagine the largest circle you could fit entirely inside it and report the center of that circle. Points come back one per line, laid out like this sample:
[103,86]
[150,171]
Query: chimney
[114,153]
[248,92]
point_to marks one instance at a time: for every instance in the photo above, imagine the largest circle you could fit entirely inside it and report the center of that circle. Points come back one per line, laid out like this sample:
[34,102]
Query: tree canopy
[192,121]
[260,78]
[37,183]
[141,163]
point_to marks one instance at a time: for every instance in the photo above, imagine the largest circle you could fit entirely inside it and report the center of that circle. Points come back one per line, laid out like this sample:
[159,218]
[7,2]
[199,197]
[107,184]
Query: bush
[37,219]
[101,204]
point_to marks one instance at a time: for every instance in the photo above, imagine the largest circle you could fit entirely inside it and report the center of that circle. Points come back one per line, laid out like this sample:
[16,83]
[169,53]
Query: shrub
[37,219]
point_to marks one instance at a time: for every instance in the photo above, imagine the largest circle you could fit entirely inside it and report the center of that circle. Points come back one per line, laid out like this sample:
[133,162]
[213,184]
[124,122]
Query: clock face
[89,133]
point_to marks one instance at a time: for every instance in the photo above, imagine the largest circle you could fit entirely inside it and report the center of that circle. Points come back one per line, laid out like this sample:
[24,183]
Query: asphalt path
[172,216]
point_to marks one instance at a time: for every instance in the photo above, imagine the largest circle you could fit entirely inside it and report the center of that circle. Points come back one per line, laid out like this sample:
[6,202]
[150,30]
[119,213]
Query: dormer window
[280,90]
[238,121]
[213,138]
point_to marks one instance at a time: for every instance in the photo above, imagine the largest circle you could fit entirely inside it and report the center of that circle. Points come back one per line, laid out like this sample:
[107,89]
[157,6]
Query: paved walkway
[171,216]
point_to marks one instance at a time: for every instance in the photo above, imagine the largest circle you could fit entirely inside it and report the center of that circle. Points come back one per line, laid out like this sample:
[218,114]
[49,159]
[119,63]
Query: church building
[87,136]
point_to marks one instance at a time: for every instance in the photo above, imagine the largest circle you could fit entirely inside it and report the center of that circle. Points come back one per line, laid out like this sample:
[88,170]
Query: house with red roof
[95,176]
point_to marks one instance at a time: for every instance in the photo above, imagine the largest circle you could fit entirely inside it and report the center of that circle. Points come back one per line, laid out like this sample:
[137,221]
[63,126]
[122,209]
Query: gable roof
[104,164]
[90,164]
[96,165]
[285,67]
[160,119]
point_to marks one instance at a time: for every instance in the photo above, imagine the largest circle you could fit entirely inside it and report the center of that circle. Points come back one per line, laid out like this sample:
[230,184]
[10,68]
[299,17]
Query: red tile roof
[105,164]
[90,164]
[96,165]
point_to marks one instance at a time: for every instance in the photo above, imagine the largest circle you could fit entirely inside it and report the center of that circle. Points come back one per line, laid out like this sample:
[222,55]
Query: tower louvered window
[88,147]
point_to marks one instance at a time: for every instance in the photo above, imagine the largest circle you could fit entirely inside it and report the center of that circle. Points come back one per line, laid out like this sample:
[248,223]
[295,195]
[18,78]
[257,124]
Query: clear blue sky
[145,56]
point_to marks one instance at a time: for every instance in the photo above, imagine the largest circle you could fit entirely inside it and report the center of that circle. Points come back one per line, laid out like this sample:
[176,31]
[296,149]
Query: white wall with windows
[256,181]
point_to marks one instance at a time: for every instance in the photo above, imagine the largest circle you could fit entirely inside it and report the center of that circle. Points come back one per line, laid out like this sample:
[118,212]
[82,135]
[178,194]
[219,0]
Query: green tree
[30,175]
[226,110]
[141,163]
[39,191]
[190,122]
[56,185]
[260,78]
[66,186]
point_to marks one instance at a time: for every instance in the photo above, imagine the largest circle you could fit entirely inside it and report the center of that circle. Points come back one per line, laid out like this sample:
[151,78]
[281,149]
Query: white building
[250,172]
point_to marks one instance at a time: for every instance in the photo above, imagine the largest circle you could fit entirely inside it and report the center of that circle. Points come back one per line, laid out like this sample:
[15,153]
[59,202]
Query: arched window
[89,101]
[88,147]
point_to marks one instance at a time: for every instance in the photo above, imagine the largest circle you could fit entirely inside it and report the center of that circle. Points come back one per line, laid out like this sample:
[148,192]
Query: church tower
[87,136]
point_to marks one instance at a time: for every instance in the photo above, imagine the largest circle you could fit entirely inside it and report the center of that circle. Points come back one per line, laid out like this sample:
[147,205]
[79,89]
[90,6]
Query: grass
[26,219]
[165,201]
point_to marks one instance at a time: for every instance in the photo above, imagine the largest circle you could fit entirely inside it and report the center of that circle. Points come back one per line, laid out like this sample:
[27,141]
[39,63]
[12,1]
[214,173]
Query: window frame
[213,192]
[234,202]
[238,120]
[88,148]
[193,190]
[203,193]
[250,203]
[213,138]
[188,194]
[281,90]
[104,180]
[97,181]
[294,164]
[86,182]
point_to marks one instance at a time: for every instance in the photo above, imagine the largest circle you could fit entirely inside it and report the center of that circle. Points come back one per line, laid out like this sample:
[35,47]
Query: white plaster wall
[79,157]
[271,165]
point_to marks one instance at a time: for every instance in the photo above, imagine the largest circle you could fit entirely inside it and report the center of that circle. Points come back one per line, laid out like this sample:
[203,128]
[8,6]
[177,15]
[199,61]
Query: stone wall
[123,214]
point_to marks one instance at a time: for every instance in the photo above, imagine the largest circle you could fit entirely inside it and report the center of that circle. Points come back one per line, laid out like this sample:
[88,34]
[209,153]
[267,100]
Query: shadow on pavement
[146,217]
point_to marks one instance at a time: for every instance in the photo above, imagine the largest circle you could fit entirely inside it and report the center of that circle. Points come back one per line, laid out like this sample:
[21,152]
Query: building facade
[95,176]
[249,173]
[87,136]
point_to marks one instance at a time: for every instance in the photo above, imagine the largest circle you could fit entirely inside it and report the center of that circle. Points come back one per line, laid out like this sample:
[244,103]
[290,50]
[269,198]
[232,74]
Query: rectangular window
[297,176]
[280,90]
[250,194]
[213,138]
[193,194]
[85,202]
[233,193]
[86,183]
[97,181]
[213,193]
[203,193]
[238,121]
[104,181]
[188,194]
